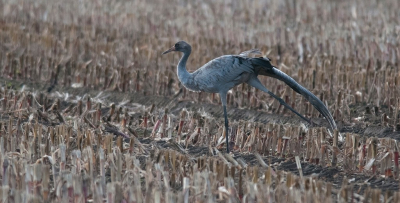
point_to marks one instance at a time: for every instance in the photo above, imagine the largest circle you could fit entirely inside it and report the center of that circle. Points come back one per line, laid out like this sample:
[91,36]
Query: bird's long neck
[183,74]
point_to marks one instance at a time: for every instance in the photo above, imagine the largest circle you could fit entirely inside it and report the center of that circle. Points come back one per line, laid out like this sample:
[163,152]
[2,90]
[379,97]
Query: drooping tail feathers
[264,67]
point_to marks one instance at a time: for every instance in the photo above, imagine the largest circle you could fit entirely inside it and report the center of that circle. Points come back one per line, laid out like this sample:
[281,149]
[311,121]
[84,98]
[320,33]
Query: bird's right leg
[257,84]
[223,101]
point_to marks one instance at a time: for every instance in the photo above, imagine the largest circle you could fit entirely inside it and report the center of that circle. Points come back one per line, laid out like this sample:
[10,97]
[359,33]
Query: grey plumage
[223,73]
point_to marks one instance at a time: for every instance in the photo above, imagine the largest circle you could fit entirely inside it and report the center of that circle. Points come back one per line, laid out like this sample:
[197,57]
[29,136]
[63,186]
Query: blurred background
[330,47]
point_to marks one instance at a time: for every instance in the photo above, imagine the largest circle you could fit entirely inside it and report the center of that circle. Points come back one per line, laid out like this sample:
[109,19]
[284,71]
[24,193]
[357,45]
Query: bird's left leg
[223,101]
[257,84]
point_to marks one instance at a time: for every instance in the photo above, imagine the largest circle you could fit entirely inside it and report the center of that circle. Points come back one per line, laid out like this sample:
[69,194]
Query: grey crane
[225,72]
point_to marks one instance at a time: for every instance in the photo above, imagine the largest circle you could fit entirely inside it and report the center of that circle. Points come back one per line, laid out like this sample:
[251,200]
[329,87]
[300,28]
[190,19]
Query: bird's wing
[264,67]
[223,71]
[251,51]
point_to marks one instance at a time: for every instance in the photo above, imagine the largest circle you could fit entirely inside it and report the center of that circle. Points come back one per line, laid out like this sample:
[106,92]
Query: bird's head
[181,46]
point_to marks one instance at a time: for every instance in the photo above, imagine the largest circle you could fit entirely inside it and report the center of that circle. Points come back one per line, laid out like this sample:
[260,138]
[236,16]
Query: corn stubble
[58,146]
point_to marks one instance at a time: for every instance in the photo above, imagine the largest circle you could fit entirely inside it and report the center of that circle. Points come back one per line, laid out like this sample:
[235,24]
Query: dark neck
[183,74]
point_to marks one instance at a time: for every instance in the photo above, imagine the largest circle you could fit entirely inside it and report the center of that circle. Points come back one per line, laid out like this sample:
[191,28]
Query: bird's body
[216,75]
[223,73]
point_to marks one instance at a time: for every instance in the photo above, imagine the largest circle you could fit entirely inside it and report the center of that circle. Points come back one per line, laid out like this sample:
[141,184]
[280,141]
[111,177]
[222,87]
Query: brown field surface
[90,111]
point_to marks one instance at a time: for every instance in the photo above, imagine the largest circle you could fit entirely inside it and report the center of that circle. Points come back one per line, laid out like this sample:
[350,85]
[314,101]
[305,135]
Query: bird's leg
[226,129]
[257,84]
[223,101]
[287,106]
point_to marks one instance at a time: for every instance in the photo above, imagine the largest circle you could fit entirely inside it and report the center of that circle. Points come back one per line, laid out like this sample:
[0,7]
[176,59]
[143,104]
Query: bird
[225,72]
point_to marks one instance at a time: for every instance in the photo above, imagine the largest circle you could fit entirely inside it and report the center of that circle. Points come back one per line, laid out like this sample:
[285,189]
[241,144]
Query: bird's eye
[176,45]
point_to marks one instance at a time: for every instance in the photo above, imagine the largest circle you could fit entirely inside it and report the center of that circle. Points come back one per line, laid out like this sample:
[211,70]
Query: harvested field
[91,111]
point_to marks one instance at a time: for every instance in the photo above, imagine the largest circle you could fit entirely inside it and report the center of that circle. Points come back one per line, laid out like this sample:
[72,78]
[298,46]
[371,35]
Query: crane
[225,72]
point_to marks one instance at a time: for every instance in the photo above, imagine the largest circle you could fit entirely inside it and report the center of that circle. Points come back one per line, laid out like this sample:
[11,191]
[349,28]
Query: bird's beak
[169,50]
